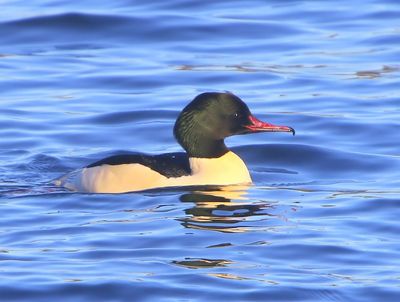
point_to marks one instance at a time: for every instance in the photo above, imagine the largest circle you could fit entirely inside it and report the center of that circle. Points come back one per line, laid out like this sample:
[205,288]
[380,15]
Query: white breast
[226,170]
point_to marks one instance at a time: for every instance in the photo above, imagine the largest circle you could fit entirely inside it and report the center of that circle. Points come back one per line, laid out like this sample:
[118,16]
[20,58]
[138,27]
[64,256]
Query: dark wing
[169,164]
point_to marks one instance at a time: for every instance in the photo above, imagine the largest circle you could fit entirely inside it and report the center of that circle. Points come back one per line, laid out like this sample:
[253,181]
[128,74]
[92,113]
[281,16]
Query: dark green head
[204,123]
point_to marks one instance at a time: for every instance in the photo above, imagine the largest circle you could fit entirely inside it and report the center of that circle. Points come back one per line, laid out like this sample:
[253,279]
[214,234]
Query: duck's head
[204,123]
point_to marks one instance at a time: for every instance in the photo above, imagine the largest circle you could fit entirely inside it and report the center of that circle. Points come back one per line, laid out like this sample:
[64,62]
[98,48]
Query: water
[82,80]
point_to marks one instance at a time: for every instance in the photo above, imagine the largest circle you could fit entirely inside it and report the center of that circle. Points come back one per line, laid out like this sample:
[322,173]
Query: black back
[168,164]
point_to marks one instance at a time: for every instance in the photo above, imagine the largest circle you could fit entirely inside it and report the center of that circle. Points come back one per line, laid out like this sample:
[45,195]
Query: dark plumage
[203,125]
[168,164]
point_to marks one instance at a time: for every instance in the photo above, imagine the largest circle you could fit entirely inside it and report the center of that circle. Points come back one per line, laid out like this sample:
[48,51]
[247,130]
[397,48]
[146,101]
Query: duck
[200,129]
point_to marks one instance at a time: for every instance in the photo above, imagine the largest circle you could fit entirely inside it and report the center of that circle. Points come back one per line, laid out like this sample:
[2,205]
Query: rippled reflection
[228,210]
[202,263]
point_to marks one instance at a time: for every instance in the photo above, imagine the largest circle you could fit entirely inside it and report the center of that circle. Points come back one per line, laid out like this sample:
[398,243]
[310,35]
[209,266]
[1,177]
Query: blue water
[81,80]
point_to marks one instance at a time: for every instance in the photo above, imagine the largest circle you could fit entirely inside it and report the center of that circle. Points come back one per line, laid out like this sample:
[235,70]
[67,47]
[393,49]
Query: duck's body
[200,129]
[168,170]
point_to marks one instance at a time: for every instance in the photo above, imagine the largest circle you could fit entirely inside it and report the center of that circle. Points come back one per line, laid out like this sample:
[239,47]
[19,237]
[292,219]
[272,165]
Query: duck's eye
[236,115]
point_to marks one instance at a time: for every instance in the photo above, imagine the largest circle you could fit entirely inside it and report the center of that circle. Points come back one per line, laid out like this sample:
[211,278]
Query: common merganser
[200,129]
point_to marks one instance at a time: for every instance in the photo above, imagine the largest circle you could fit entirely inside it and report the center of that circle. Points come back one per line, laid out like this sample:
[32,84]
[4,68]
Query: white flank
[228,169]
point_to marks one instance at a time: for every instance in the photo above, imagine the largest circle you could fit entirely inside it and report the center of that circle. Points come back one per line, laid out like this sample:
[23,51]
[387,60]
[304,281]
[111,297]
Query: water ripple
[84,80]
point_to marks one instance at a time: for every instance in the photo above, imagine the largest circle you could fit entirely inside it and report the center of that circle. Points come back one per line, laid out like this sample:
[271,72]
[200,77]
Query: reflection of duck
[215,211]
[202,263]
[200,129]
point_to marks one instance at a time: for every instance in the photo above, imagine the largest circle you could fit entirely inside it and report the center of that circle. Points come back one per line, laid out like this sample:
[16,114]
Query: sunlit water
[81,80]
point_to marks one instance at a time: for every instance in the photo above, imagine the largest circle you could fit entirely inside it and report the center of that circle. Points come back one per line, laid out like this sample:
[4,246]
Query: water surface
[81,81]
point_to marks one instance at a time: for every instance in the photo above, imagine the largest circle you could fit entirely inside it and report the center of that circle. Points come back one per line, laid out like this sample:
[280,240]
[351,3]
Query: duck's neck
[202,147]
